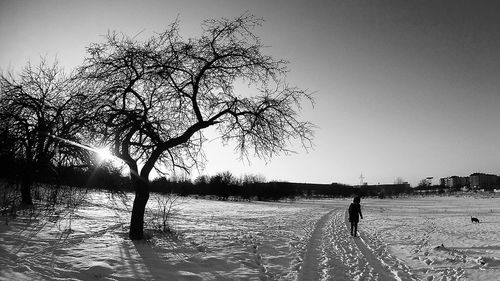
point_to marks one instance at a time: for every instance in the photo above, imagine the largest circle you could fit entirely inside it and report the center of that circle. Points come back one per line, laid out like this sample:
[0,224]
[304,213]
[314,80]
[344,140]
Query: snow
[435,237]
[429,238]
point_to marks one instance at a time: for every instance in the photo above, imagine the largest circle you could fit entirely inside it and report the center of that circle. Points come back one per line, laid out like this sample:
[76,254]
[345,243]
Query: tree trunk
[141,188]
[26,193]
[26,183]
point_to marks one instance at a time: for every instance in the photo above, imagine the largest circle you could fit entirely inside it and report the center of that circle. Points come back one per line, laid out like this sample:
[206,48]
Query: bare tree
[423,183]
[39,107]
[160,94]
[399,180]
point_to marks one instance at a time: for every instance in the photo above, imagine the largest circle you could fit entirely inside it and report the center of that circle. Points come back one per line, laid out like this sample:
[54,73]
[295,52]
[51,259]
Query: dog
[473,219]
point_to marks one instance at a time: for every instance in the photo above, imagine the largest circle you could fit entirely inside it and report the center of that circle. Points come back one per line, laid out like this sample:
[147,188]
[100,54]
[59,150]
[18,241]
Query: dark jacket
[355,212]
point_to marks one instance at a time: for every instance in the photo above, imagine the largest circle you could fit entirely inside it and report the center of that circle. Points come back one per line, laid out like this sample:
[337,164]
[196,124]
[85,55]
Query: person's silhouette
[354,214]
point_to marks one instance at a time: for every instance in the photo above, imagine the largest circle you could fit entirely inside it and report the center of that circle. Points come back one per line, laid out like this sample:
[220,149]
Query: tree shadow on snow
[187,264]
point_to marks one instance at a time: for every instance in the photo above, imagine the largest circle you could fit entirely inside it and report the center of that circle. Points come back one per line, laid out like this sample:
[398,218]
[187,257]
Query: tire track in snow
[332,254]
[310,265]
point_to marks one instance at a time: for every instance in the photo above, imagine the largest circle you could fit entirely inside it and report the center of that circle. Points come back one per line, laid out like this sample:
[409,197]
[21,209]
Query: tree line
[221,186]
[224,186]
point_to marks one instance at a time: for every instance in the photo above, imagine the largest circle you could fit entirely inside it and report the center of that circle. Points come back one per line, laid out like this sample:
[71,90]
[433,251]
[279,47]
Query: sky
[403,89]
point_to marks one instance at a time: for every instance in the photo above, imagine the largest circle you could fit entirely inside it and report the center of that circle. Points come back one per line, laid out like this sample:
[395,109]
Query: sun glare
[103,154]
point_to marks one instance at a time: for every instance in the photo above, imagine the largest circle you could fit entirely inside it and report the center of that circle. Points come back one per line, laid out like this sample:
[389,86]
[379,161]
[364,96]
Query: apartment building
[480,180]
[454,181]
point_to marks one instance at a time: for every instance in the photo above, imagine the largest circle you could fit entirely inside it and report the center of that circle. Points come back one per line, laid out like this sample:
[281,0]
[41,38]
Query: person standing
[354,215]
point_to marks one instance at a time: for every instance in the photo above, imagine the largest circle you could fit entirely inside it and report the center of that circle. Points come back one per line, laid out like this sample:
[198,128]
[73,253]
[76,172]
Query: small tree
[423,183]
[399,180]
[160,94]
[222,183]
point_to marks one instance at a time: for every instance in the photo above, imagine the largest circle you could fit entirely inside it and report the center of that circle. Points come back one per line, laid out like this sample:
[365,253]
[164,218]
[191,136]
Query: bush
[159,216]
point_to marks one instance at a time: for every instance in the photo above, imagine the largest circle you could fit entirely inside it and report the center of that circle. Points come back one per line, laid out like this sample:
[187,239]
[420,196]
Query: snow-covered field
[304,240]
[433,238]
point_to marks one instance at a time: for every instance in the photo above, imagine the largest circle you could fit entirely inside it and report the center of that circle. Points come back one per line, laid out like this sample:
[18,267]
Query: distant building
[386,189]
[480,180]
[454,181]
[443,181]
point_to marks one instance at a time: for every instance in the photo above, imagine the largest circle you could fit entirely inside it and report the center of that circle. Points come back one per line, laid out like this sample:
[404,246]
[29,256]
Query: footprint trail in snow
[332,254]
